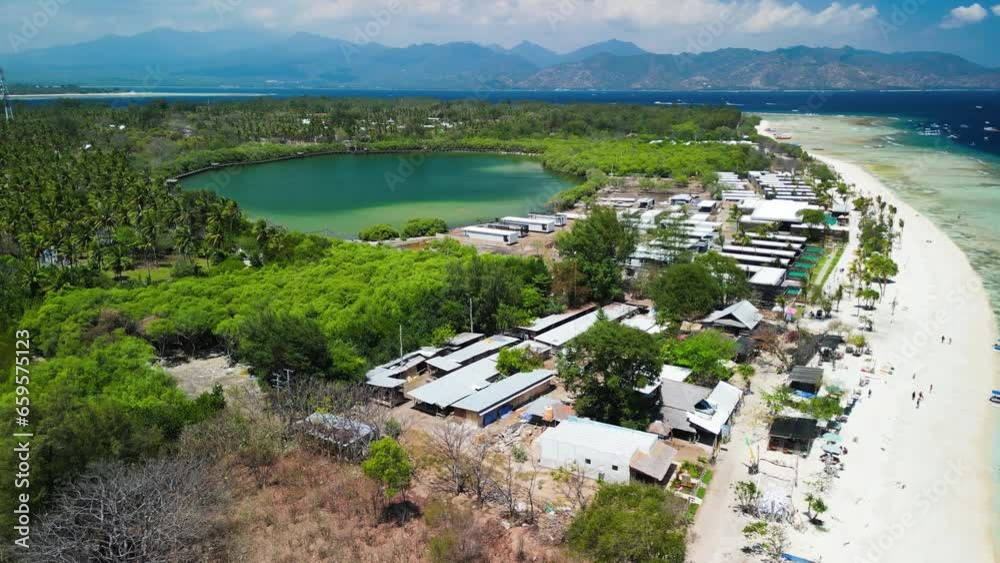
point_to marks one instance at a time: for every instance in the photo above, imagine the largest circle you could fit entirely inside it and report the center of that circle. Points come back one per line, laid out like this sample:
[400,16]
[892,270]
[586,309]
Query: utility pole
[8,110]
[472,327]
[400,340]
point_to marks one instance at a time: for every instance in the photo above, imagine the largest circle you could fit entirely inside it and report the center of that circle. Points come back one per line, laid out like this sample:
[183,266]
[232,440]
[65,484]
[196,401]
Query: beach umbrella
[831,449]
[833,438]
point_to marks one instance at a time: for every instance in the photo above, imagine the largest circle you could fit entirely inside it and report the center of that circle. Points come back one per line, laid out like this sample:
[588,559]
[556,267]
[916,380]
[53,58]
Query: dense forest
[110,267]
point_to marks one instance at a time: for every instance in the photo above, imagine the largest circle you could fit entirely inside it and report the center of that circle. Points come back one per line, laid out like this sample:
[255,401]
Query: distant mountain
[536,54]
[797,68]
[612,47]
[258,58]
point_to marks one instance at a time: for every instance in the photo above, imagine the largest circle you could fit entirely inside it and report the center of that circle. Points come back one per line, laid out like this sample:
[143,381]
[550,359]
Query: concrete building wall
[596,464]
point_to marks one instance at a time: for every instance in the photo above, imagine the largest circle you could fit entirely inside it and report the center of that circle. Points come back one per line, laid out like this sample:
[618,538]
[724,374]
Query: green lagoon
[341,194]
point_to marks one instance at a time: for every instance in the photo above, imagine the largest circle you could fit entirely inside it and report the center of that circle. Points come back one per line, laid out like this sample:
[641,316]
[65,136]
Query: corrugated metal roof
[504,390]
[744,312]
[457,385]
[484,346]
[569,331]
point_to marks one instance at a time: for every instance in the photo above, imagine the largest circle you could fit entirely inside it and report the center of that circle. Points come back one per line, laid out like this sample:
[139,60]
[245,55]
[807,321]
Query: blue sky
[664,26]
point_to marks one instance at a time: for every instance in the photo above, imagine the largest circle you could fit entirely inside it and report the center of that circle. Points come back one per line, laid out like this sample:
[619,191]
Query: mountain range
[165,57]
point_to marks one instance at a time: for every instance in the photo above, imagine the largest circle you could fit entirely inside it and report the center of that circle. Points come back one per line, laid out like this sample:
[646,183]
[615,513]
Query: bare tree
[573,484]
[530,492]
[448,443]
[154,512]
[507,485]
[478,469]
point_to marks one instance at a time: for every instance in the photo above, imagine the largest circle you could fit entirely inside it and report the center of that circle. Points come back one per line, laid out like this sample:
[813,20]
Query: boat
[783,137]
[995,397]
[991,129]
[997,345]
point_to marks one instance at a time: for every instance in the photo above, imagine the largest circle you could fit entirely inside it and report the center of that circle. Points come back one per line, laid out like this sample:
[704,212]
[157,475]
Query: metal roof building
[740,316]
[474,352]
[444,392]
[501,398]
[559,336]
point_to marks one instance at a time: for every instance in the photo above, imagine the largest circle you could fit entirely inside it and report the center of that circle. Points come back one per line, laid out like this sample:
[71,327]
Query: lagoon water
[341,194]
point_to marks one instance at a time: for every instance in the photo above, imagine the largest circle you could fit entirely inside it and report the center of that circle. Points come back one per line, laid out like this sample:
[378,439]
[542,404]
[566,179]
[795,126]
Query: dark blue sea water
[947,119]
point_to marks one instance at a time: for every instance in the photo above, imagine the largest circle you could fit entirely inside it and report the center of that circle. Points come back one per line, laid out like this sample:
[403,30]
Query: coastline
[918,486]
[134,94]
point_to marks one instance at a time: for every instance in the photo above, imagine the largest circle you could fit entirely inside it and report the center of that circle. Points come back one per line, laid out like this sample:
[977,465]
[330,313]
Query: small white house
[605,452]
[492,235]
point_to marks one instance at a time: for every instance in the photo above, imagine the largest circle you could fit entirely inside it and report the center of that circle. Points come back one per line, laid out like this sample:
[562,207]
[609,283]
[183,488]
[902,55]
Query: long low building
[501,398]
[471,353]
[442,393]
[492,235]
[534,225]
[559,336]
[549,322]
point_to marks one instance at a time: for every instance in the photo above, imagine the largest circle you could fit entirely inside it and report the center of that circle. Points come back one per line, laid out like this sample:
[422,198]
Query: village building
[806,379]
[792,435]
[606,452]
[499,399]
[738,318]
[560,336]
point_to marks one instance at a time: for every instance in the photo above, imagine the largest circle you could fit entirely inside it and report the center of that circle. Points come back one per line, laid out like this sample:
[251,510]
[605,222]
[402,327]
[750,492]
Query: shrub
[423,227]
[376,233]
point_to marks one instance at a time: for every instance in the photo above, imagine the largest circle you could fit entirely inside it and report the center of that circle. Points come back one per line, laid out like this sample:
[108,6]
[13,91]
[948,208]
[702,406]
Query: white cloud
[965,15]
[996,10]
[770,15]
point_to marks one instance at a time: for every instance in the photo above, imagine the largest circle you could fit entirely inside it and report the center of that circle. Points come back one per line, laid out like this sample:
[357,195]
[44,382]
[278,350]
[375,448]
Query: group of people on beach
[918,396]
[943,339]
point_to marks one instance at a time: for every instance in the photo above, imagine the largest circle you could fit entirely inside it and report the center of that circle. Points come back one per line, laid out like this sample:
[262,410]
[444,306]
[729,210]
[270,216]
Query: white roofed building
[606,452]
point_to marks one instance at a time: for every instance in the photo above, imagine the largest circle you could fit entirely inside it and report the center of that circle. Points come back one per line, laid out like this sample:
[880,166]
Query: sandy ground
[917,486]
[199,375]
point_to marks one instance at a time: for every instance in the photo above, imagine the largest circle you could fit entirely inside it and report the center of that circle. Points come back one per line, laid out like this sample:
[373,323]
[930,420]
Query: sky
[663,26]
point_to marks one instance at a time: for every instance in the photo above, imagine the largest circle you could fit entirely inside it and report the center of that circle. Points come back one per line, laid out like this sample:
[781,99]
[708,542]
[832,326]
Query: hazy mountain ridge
[263,58]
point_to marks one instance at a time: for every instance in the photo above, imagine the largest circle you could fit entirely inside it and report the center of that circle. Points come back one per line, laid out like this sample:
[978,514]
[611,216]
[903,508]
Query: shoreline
[887,502]
[133,94]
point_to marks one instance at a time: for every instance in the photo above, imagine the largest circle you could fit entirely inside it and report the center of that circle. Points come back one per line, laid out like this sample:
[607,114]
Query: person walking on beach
[942,339]
[869,393]
[914,396]
[949,341]
[931,390]
[920,397]
[918,403]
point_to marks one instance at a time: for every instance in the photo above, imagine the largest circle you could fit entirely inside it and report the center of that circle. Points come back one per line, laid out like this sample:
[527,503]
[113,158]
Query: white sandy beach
[918,484]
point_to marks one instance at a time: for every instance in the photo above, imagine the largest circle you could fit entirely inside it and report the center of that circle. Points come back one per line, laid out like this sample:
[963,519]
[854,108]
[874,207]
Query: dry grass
[318,509]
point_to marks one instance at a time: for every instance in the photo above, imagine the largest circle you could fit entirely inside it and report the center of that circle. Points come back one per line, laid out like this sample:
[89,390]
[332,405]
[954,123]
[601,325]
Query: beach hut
[792,435]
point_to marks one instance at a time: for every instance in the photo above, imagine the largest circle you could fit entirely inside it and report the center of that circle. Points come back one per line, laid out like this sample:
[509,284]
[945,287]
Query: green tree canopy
[685,291]
[730,278]
[605,366]
[272,342]
[390,466]
[517,360]
[704,352]
[423,227]
[631,522]
[377,233]
[599,246]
